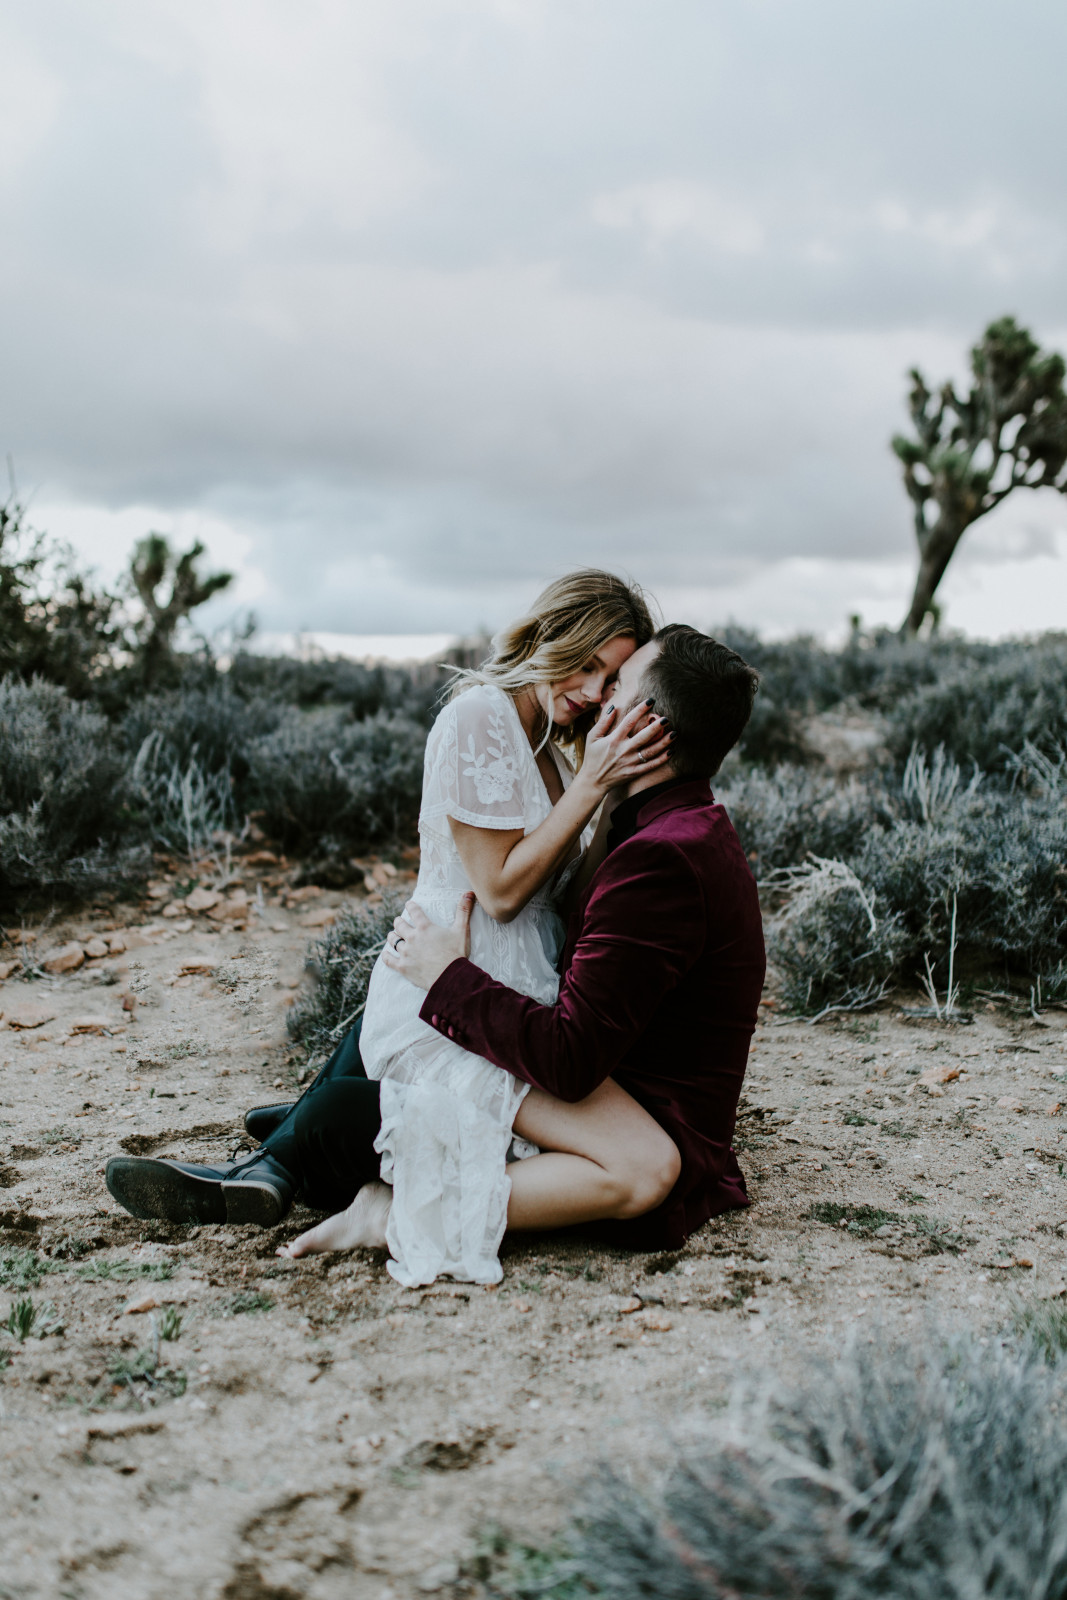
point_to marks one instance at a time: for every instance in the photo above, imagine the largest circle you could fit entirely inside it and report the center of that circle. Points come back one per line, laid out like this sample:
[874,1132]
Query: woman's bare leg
[603,1157]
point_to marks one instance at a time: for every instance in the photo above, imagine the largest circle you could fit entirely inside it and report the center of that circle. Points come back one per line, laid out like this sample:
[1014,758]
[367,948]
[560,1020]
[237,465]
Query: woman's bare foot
[363,1224]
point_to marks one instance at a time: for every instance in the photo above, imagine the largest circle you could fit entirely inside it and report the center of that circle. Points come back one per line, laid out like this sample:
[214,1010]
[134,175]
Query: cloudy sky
[404,306]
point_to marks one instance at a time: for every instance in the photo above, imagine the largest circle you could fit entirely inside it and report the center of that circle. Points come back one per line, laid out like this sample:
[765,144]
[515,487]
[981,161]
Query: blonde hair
[565,627]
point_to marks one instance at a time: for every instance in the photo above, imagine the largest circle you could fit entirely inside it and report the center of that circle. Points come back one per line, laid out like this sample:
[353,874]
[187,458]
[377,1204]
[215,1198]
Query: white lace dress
[447,1114]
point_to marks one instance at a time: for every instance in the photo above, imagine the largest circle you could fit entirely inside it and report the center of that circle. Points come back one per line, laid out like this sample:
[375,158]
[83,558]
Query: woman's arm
[506,867]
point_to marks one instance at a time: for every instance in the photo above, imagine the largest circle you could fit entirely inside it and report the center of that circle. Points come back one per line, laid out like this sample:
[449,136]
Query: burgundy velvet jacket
[661,978]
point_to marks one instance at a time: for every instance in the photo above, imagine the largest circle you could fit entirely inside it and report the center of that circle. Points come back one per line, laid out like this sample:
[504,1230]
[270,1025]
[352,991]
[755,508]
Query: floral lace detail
[447,1114]
[493,769]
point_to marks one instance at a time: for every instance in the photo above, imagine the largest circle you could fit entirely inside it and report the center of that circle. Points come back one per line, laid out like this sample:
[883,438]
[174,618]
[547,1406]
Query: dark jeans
[327,1141]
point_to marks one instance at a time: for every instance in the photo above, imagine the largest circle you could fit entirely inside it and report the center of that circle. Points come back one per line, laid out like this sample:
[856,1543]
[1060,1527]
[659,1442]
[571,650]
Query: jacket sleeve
[644,926]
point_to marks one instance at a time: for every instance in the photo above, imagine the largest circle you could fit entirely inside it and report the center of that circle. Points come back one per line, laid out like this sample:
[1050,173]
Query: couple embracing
[557,1030]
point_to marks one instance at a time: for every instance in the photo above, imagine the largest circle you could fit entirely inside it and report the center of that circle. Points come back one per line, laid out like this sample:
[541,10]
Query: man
[660,981]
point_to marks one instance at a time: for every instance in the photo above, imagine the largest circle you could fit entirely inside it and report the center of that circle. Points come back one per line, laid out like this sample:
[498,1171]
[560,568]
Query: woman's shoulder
[482,705]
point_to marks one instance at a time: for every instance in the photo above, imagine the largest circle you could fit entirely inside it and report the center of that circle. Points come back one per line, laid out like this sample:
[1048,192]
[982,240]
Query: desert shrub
[788,813]
[319,774]
[835,943]
[362,690]
[932,1468]
[340,964]
[205,721]
[1000,858]
[907,856]
[184,806]
[65,817]
[981,710]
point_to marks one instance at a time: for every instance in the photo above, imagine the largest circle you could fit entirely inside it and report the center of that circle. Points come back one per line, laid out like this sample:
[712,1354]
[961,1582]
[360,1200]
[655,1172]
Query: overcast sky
[406,305]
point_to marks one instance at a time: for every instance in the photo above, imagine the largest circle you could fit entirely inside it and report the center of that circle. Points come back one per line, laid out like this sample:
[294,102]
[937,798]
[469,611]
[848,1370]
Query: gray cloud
[431,301]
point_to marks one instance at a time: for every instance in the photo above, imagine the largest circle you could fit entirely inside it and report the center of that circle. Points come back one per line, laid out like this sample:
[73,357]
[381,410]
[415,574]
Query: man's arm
[644,926]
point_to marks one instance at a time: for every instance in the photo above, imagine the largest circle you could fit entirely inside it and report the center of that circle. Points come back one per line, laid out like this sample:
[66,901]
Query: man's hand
[420,951]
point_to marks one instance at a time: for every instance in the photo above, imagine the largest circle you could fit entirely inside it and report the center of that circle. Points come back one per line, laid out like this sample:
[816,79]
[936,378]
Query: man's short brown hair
[705,690]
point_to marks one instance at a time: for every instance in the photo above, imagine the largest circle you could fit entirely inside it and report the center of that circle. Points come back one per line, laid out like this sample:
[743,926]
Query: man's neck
[651,780]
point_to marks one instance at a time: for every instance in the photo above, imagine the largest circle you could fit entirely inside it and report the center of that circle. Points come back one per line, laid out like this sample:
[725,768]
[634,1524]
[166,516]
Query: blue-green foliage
[65,820]
[891,1472]
[917,846]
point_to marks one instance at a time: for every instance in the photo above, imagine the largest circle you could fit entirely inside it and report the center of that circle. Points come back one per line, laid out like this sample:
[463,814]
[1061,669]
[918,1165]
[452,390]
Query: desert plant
[204,720]
[969,453]
[340,964]
[790,812]
[170,1323]
[936,1467]
[21,1318]
[1043,771]
[834,944]
[53,622]
[321,774]
[185,806]
[169,588]
[65,814]
[987,702]
[22,1269]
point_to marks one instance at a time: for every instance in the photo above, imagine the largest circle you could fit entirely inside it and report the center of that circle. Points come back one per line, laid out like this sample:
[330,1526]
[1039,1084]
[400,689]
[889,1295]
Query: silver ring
[641,755]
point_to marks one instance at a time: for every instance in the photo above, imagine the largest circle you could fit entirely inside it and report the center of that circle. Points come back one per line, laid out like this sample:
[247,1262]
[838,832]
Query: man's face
[633,669]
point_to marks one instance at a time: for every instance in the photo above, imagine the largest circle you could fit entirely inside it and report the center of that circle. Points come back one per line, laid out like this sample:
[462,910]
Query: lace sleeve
[473,768]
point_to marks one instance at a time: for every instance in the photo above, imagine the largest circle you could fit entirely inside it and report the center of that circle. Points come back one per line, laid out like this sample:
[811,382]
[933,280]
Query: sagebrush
[912,1471]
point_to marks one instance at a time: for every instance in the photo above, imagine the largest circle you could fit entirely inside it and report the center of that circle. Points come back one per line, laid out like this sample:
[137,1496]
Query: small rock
[628,1307]
[65,958]
[158,891]
[318,919]
[90,1025]
[9,968]
[233,909]
[174,909]
[29,1017]
[1009,1102]
[522,1305]
[940,1075]
[202,900]
[656,1322]
[1054,1108]
[143,1302]
[96,949]
[116,944]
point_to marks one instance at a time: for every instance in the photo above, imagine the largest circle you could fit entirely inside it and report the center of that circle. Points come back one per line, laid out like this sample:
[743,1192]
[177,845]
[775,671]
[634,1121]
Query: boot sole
[153,1189]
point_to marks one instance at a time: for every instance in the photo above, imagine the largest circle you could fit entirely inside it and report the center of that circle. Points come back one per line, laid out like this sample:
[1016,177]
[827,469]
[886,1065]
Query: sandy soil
[315,1431]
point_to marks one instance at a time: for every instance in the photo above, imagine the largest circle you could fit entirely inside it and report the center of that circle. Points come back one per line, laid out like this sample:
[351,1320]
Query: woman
[505,814]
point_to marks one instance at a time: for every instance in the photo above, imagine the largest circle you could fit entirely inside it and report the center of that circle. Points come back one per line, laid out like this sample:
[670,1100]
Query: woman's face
[569,698]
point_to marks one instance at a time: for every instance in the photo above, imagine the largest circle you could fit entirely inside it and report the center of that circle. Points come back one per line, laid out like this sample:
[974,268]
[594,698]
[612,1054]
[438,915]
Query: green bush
[913,1471]
[340,965]
[981,711]
[862,880]
[66,822]
[320,776]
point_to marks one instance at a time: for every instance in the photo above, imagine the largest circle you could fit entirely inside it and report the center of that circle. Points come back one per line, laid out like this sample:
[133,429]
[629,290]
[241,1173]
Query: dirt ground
[316,1431]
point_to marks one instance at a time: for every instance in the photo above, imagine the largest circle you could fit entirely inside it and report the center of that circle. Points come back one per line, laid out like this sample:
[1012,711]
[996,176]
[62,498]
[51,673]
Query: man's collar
[637,810]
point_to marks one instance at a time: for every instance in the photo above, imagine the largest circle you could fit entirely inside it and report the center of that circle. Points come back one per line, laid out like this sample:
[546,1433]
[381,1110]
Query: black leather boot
[261,1121]
[257,1189]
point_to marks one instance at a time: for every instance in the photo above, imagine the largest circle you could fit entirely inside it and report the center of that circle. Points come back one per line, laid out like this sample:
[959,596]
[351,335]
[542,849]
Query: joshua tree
[970,452]
[153,564]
